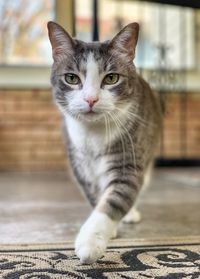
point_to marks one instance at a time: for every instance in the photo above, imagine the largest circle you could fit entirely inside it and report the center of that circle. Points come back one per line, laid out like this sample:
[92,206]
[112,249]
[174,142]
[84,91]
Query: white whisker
[123,127]
[121,140]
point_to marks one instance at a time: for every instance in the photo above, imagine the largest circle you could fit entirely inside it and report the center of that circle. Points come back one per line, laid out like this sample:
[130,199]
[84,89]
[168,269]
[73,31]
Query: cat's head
[92,80]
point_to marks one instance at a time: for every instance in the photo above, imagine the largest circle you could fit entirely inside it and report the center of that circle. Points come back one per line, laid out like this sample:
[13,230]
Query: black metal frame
[171,162]
[183,3]
[95,23]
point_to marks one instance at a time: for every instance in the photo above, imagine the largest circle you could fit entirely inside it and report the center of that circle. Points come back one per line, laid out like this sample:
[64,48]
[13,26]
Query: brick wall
[30,131]
[31,136]
[181,135]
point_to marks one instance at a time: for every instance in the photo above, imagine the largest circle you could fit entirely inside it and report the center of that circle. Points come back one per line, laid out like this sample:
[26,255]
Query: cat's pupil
[72,77]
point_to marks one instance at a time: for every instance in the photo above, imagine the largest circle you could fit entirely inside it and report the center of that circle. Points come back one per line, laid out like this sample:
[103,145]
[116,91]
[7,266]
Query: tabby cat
[112,120]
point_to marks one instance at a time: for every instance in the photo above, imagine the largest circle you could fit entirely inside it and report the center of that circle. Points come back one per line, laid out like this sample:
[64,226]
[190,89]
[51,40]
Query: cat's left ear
[61,42]
[126,40]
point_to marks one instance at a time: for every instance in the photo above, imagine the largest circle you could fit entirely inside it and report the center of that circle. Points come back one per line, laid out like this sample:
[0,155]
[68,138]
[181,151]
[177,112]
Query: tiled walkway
[47,207]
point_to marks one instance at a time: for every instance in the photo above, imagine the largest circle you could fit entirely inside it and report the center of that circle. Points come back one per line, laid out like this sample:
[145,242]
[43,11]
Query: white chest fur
[84,137]
[89,143]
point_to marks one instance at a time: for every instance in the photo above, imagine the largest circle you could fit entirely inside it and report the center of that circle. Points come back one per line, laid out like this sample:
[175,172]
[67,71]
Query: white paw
[133,216]
[91,248]
[93,237]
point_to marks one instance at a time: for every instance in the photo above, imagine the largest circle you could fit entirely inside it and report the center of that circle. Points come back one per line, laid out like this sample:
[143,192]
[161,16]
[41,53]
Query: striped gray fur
[126,156]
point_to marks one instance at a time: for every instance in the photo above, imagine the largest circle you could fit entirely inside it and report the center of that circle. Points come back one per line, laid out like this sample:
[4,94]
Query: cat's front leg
[93,237]
[101,226]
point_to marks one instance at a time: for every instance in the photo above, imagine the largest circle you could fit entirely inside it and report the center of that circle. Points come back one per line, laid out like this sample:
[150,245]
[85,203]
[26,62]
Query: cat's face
[92,80]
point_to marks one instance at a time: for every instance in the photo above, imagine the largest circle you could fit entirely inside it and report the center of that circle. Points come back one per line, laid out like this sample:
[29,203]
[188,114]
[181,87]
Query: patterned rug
[175,258]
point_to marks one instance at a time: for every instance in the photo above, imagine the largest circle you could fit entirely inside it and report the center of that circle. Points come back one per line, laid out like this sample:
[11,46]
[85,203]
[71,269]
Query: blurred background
[38,201]
[168,56]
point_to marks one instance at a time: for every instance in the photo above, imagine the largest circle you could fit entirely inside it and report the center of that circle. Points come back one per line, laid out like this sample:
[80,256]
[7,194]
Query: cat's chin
[91,117]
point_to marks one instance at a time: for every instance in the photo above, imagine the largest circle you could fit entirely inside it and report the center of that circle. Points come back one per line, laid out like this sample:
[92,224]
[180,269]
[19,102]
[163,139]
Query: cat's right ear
[126,40]
[61,42]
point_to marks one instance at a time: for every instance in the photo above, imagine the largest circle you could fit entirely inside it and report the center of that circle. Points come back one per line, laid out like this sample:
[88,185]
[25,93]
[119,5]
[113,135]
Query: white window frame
[23,76]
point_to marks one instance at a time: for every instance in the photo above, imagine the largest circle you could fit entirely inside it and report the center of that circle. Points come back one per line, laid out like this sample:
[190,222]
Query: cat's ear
[61,42]
[126,40]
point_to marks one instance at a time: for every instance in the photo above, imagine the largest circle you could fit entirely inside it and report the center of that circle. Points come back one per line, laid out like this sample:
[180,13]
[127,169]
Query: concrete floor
[48,207]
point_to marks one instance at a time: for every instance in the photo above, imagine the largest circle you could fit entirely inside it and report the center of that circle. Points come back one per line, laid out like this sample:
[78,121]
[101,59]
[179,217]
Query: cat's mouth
[90,112]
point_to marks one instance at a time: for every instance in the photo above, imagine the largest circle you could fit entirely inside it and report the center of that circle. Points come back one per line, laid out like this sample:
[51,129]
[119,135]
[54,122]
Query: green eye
[72,79]
[111,79]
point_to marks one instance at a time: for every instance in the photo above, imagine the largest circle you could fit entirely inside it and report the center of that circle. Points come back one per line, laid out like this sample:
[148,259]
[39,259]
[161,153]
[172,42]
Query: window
[166,31]
[23,32]
[167,36]
[25,51]
[83,19]
[168,43]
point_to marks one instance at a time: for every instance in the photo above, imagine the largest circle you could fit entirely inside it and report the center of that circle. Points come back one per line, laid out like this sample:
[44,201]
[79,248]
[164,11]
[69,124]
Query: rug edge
[120,242]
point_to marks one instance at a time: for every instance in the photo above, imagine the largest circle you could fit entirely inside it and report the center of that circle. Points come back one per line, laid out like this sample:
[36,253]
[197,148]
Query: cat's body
[112,121]
[96,156]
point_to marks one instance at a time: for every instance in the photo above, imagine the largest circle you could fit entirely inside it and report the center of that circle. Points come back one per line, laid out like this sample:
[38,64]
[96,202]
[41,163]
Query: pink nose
[91,101]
